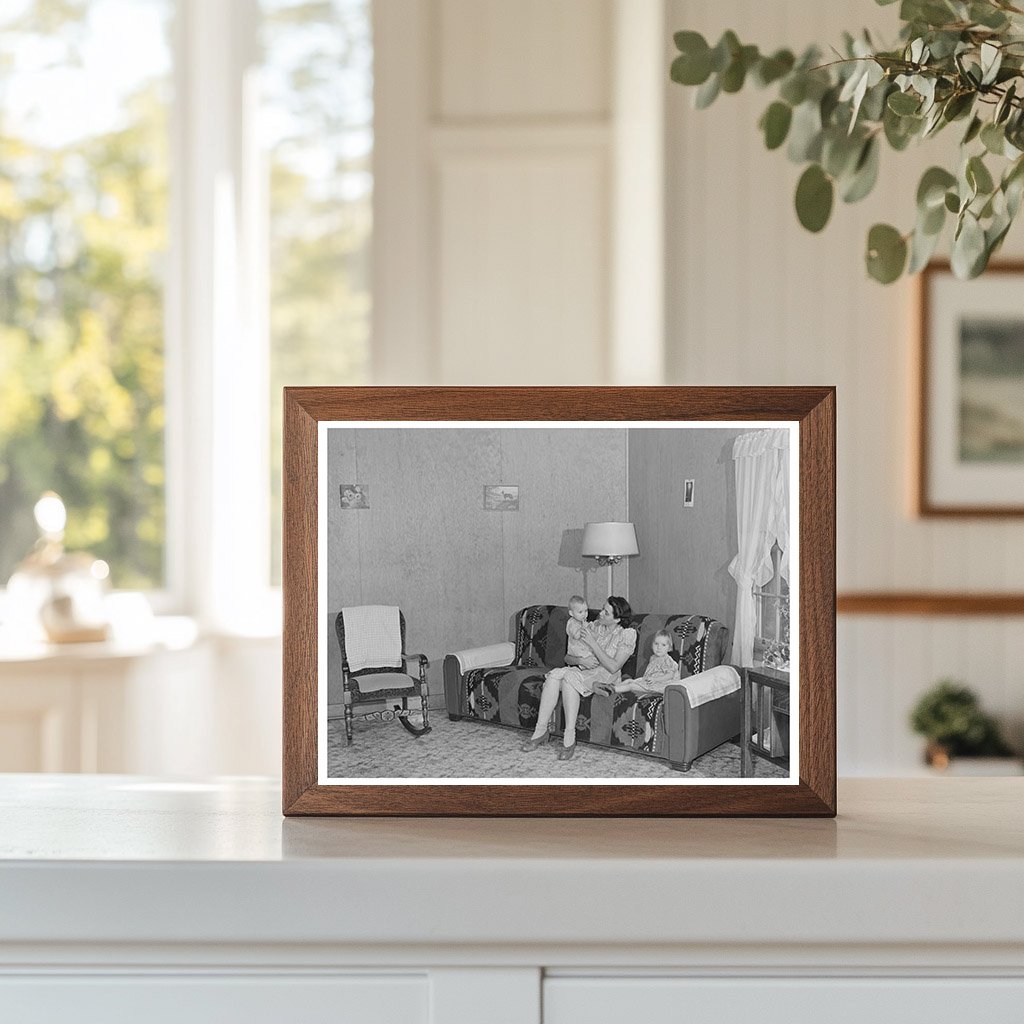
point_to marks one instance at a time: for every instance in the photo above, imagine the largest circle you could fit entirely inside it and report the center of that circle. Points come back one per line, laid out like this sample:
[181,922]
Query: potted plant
[950,718]
[955,62]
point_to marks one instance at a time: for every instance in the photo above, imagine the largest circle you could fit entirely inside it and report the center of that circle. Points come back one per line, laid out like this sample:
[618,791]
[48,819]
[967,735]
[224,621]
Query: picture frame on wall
[970,418]
[441,660]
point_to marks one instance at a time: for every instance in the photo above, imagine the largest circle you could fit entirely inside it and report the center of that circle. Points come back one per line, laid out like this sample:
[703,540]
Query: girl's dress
[613,640]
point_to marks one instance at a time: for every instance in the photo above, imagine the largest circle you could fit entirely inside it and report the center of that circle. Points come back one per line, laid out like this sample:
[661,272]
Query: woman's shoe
[565,753]
[532,744]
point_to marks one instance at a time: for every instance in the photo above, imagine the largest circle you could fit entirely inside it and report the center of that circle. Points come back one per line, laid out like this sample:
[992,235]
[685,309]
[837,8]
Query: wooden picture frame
[809,415]
[959,469]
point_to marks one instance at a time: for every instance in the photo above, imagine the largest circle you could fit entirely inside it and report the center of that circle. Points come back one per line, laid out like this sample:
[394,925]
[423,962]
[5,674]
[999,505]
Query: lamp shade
[609,539]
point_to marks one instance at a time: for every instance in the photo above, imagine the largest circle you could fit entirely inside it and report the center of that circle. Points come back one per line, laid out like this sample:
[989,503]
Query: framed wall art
[443,660]
[970,444]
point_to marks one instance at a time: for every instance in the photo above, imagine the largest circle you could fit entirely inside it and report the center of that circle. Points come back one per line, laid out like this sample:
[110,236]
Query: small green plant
[950,717]
[956,61]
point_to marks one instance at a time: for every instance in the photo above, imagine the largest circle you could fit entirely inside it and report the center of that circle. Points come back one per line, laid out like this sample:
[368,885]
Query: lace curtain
[762,519]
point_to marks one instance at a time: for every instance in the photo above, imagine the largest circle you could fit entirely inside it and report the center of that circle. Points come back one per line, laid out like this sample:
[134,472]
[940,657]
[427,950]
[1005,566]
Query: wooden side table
[765,700]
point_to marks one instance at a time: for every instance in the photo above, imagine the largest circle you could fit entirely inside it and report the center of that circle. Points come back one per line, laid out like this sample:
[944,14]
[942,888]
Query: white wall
[509,137]
[753,298]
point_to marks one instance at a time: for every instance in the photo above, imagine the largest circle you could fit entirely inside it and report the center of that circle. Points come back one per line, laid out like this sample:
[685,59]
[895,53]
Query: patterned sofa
[501,685]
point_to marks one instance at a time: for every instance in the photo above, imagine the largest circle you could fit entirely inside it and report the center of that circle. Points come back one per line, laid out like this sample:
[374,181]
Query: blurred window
[83,241]
[86,118]
[317,129]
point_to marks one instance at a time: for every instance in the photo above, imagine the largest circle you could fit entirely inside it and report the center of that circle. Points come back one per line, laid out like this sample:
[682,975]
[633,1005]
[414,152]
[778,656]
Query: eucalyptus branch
[833,117]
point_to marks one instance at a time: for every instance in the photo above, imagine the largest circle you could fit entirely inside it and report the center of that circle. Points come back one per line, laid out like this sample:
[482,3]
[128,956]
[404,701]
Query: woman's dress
[613,640]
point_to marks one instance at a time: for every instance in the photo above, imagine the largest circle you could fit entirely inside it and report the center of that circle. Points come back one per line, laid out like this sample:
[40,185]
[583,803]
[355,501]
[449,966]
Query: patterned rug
[474,750]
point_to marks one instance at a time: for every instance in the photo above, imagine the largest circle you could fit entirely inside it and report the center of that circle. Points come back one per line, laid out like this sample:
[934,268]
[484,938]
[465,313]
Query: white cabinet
[824,1000]
[201,999]
[131,898]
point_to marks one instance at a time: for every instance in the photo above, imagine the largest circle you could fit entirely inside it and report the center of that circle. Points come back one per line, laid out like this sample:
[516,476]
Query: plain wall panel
[522,255]
[531,58]
[567,478]
[684,552]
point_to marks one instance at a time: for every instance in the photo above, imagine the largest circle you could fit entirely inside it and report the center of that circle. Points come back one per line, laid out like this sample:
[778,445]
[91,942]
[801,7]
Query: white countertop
[123,859]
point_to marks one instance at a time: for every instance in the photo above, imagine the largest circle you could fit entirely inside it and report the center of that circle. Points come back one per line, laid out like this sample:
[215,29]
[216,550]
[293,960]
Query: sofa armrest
[696,721]
[492,656]
[708,685]
[458,663]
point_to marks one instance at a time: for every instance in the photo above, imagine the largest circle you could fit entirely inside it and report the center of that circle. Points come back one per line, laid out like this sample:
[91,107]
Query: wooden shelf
[928,603]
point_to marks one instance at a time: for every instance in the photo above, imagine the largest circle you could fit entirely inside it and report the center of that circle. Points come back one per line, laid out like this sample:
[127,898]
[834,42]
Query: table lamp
[609,543]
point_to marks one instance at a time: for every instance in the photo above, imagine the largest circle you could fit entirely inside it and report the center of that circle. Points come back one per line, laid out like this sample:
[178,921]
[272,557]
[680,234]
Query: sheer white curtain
[762,519]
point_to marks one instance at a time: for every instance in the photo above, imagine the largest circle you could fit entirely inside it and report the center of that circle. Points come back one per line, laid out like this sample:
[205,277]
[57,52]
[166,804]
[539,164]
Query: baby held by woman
[574,630]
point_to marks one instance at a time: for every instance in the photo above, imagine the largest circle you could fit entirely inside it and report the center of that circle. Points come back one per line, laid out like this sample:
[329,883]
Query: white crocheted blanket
[486,657]
[709,685]
[373,637]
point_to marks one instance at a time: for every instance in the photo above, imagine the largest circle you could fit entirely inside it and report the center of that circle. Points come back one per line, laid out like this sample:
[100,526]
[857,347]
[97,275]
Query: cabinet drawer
[569,1000]
[202,999]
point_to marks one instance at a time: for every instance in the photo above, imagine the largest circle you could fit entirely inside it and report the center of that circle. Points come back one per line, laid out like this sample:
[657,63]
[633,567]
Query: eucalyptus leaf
[794,88]
[865,174]
[968,247]
[925,88]
[771,69]
[958,105]
[993,138]
[987,15]
[708,92]
[973,129]
[931,190]
[944,44]
[1014,192]
[886,253]
[735,74]
[840,152]
[775,124]
[978,176]
[805,133]
[725,49]
[900,130]
[903,103]
[828,104]
[922,248]
[991,61]
[995,233]
[933,122]
[932,221]
[814,195]
[873,106]
[1005,105]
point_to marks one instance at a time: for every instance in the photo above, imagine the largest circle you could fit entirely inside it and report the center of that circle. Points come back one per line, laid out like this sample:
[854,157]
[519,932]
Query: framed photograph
[687,494]
[599,653]
[501,498]
[970,445]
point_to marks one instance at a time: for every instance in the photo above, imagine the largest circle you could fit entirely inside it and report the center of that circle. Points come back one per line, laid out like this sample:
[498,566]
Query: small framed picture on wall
[687,494]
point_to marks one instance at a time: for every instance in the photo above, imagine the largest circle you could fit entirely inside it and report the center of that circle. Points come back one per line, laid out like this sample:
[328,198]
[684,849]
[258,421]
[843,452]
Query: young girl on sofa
[661,669]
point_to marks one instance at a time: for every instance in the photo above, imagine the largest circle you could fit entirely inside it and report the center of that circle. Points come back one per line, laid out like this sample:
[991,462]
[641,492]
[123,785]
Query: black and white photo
[601,634]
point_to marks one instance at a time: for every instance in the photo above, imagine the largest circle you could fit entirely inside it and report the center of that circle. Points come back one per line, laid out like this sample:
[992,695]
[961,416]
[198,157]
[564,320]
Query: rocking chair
[383,673]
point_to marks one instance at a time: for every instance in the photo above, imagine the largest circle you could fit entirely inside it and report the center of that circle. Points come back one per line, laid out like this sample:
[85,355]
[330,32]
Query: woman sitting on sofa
[611,644]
